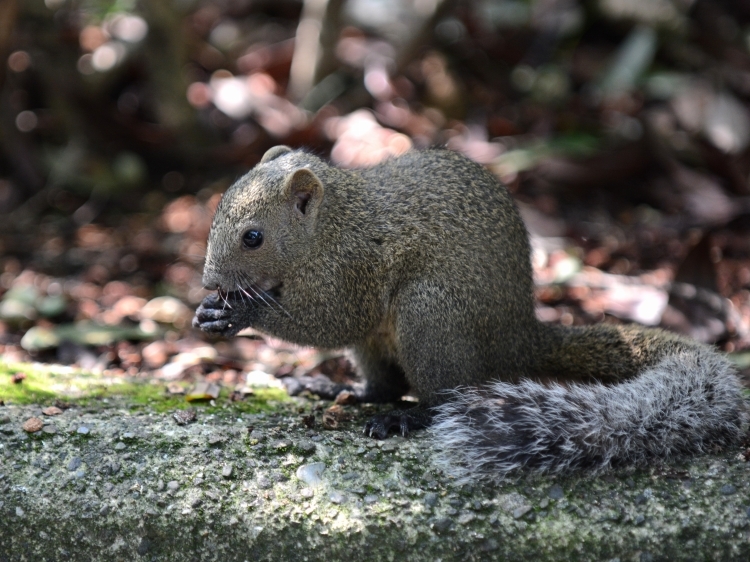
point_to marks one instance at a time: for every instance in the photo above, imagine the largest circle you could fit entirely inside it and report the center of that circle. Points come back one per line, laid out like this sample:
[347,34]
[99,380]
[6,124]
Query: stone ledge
[113,484]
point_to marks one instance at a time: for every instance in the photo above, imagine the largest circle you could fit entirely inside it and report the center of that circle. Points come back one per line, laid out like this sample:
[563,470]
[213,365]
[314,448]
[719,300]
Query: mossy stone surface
[237,485]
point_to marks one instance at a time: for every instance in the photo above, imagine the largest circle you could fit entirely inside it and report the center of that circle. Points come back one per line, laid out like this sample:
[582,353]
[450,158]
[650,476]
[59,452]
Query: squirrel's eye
[252,239]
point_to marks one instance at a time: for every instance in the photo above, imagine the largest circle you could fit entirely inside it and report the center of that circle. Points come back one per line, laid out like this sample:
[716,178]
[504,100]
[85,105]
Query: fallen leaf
[32,425]
[334,415]
[203,391]
[345,397]
[52,411]
[175,388]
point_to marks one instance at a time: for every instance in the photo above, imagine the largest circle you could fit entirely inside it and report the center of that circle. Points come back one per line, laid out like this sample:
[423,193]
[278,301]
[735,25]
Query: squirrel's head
[264,225]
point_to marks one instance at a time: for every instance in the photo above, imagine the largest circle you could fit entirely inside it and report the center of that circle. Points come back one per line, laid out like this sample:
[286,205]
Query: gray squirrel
[420,267]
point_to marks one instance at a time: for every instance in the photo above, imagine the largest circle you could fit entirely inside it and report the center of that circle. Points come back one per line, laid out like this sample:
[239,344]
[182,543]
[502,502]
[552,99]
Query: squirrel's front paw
[215,315]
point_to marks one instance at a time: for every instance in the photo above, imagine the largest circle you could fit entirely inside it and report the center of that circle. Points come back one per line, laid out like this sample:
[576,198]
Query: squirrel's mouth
[252,293]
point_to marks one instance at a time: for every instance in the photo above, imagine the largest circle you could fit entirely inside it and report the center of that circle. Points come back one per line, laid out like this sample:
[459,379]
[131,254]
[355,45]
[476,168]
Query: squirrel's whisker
[259,296]
[266,293]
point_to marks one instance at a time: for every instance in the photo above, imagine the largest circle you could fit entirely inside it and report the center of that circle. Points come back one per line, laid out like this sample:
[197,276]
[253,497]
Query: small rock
[337,497]
[143,546]
[264,483]
[370,499]
[50,429]
[52,411]
[119,446]
[83,430]
[728,490]
[197,502]
[465,518]
[19,512]
[306,447]
[184,417]
[639,520]
[74,463]
[521,511]
[128,436]
[215,440]
[311,474]
[442,525]
[489,545]
[431,499]
[173,485]
[32,425]
[555,492]
[389,446]
[306,493]
[226,472]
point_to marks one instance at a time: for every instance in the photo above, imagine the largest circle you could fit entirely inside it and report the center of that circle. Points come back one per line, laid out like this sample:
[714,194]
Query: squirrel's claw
[402,422]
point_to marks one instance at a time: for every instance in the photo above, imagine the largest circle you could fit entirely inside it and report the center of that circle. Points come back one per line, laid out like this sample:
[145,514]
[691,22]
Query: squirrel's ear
[275,152]
[304,191]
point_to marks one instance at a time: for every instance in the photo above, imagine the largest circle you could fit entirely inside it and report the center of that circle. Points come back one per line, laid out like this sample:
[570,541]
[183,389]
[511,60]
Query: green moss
[45,384]
[35,388]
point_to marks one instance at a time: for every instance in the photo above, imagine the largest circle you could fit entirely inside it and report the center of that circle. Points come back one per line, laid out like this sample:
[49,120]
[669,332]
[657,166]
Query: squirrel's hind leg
[384,379]
[386,382]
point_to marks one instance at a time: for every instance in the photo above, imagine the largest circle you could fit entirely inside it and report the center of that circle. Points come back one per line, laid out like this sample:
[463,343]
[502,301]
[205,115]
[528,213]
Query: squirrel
[420,267]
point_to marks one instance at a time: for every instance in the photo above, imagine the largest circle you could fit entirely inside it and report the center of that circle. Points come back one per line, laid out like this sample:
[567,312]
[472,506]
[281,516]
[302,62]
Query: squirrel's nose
[211,281]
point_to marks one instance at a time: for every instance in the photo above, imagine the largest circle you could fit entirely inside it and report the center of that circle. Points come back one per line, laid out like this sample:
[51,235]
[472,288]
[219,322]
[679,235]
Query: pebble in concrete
[555,492]
[311,474]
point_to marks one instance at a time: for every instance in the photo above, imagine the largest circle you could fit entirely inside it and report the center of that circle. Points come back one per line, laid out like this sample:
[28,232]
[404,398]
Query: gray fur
[420,267]
[686,404]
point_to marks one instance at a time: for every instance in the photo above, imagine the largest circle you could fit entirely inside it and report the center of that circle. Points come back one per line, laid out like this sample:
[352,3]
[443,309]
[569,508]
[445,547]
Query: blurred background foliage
[621,126]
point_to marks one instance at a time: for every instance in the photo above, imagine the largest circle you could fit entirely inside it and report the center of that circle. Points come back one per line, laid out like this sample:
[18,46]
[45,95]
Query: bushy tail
[687,403]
